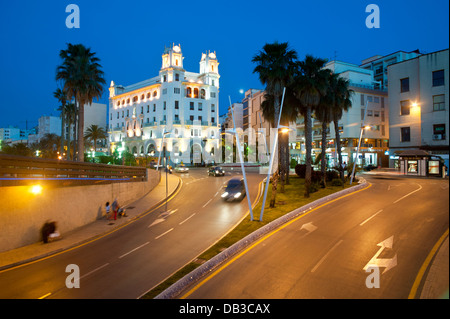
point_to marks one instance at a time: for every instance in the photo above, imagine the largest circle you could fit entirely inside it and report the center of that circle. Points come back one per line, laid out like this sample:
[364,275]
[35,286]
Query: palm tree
[309,86]
[95,133]
[60,95]
[83,79]
[274,64]
[323,113]
[342,102]
[70,113]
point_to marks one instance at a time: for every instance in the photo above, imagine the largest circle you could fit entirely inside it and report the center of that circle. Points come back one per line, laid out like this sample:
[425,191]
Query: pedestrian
[108,210]
[115,208]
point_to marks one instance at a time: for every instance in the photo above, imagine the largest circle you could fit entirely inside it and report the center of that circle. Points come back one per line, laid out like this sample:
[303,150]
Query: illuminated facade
[183,106]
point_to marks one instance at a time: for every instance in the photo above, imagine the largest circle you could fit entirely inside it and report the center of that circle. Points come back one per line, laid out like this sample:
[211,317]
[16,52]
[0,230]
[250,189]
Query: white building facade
[419,100]
[182,106]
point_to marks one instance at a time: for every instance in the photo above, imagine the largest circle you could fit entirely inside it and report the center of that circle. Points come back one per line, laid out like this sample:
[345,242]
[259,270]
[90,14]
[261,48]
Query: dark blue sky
[129,38]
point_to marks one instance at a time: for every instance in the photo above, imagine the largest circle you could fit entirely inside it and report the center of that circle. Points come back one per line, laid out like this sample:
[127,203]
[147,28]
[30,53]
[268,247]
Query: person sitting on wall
[49,232]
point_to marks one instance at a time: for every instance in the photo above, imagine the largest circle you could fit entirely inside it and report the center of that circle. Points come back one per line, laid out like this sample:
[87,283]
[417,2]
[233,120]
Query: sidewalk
[93,230]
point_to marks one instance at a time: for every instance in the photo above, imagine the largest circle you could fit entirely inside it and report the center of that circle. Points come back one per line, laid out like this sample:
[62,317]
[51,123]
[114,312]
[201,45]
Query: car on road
[181,168]
[235,190]
[216,171]
[370,167]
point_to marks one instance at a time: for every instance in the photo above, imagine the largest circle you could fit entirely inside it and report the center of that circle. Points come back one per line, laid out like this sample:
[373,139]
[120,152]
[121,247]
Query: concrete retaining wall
[23,213]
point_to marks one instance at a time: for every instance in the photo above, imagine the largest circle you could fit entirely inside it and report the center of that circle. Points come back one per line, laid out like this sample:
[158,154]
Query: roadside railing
[18,170]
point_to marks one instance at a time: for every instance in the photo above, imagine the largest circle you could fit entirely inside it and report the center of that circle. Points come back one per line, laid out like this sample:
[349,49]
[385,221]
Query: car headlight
[224,194]
[237,195]
[217,172]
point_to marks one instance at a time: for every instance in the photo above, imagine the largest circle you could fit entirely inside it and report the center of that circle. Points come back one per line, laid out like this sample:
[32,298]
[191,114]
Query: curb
[173,291]
[95,237]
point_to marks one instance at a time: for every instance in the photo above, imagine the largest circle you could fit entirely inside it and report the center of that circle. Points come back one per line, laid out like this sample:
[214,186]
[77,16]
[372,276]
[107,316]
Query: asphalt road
[132,260]
[393,225]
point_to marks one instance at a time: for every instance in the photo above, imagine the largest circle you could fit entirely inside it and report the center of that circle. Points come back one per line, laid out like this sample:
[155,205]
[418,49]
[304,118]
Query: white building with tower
[178,105]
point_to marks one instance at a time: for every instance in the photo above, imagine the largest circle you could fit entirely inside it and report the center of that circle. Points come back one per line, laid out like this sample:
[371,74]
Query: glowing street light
[36,189]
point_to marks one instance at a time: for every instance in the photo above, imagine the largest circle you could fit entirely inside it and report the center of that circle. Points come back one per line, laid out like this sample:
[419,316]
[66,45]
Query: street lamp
[272,155]
[238,146]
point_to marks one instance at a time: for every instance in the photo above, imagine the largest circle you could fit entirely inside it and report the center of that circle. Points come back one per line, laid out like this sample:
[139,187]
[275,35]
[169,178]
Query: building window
[439,132]
[438,78]
[404,107]
[154,107]
[164,106]
[404,85]
[382,102]
[176,90]
[202,94]
[405,134]
[439,102]
[176,105]
[213,94]
[200,107]
[213,120]
[155,93]
[191,118]
[148,95]
[176,118]
[164,91]
[212,82]
[177,76]
[362,99]
[369,112]
[188,92]
[164,78]
[191,106]
[195,93]
[148,108]
[213,108]
[376,113]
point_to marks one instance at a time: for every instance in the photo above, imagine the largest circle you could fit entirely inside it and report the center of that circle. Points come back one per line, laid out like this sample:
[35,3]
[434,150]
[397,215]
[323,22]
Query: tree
[60,95]
[323,113]
[70,118]
[82,79]
[342,102]
[309,86]
[274,65]
[95,133]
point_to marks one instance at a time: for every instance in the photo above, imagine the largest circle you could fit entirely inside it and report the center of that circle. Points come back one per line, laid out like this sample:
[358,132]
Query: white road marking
[207,203]
[134,249]
[164,233]
[420,187]
[326,255]
[186,219]
[387,263]
[371,217]
[98,268]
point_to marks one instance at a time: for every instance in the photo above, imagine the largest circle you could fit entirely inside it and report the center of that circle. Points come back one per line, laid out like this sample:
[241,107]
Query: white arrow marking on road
[309,227]
[164,216]
[387,263]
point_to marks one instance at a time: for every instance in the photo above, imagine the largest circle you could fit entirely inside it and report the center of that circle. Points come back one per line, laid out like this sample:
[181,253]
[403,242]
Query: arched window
[202,94]
[135,99]
[188,92]
[148,95]
[155,93]
[196,93]
[142,97]
[128,101]
[118,103]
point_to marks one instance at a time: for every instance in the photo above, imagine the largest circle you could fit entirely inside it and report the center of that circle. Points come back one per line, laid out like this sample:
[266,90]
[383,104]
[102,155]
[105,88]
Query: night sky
[129,38]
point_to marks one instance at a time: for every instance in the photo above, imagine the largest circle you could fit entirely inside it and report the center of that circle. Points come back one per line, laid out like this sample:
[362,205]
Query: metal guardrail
[17,170]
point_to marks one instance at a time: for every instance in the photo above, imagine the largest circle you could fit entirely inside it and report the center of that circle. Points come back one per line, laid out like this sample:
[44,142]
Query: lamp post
[238,146]
[272,155]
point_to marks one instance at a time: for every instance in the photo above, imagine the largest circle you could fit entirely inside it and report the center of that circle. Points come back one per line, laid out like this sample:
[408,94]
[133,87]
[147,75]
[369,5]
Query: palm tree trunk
[308,146]
[61,151]
[275,176]
[339,152]
[324,156]
[282,161]
[288,163]
[68,140]
[80,137]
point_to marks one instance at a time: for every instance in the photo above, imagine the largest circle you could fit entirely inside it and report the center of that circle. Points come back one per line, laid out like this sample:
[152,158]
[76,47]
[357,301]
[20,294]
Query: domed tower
[209,68]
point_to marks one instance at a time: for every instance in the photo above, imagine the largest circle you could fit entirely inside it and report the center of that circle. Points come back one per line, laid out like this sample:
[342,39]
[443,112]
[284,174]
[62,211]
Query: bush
[331,175]
[314,187]
[300,170]
[336,182]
